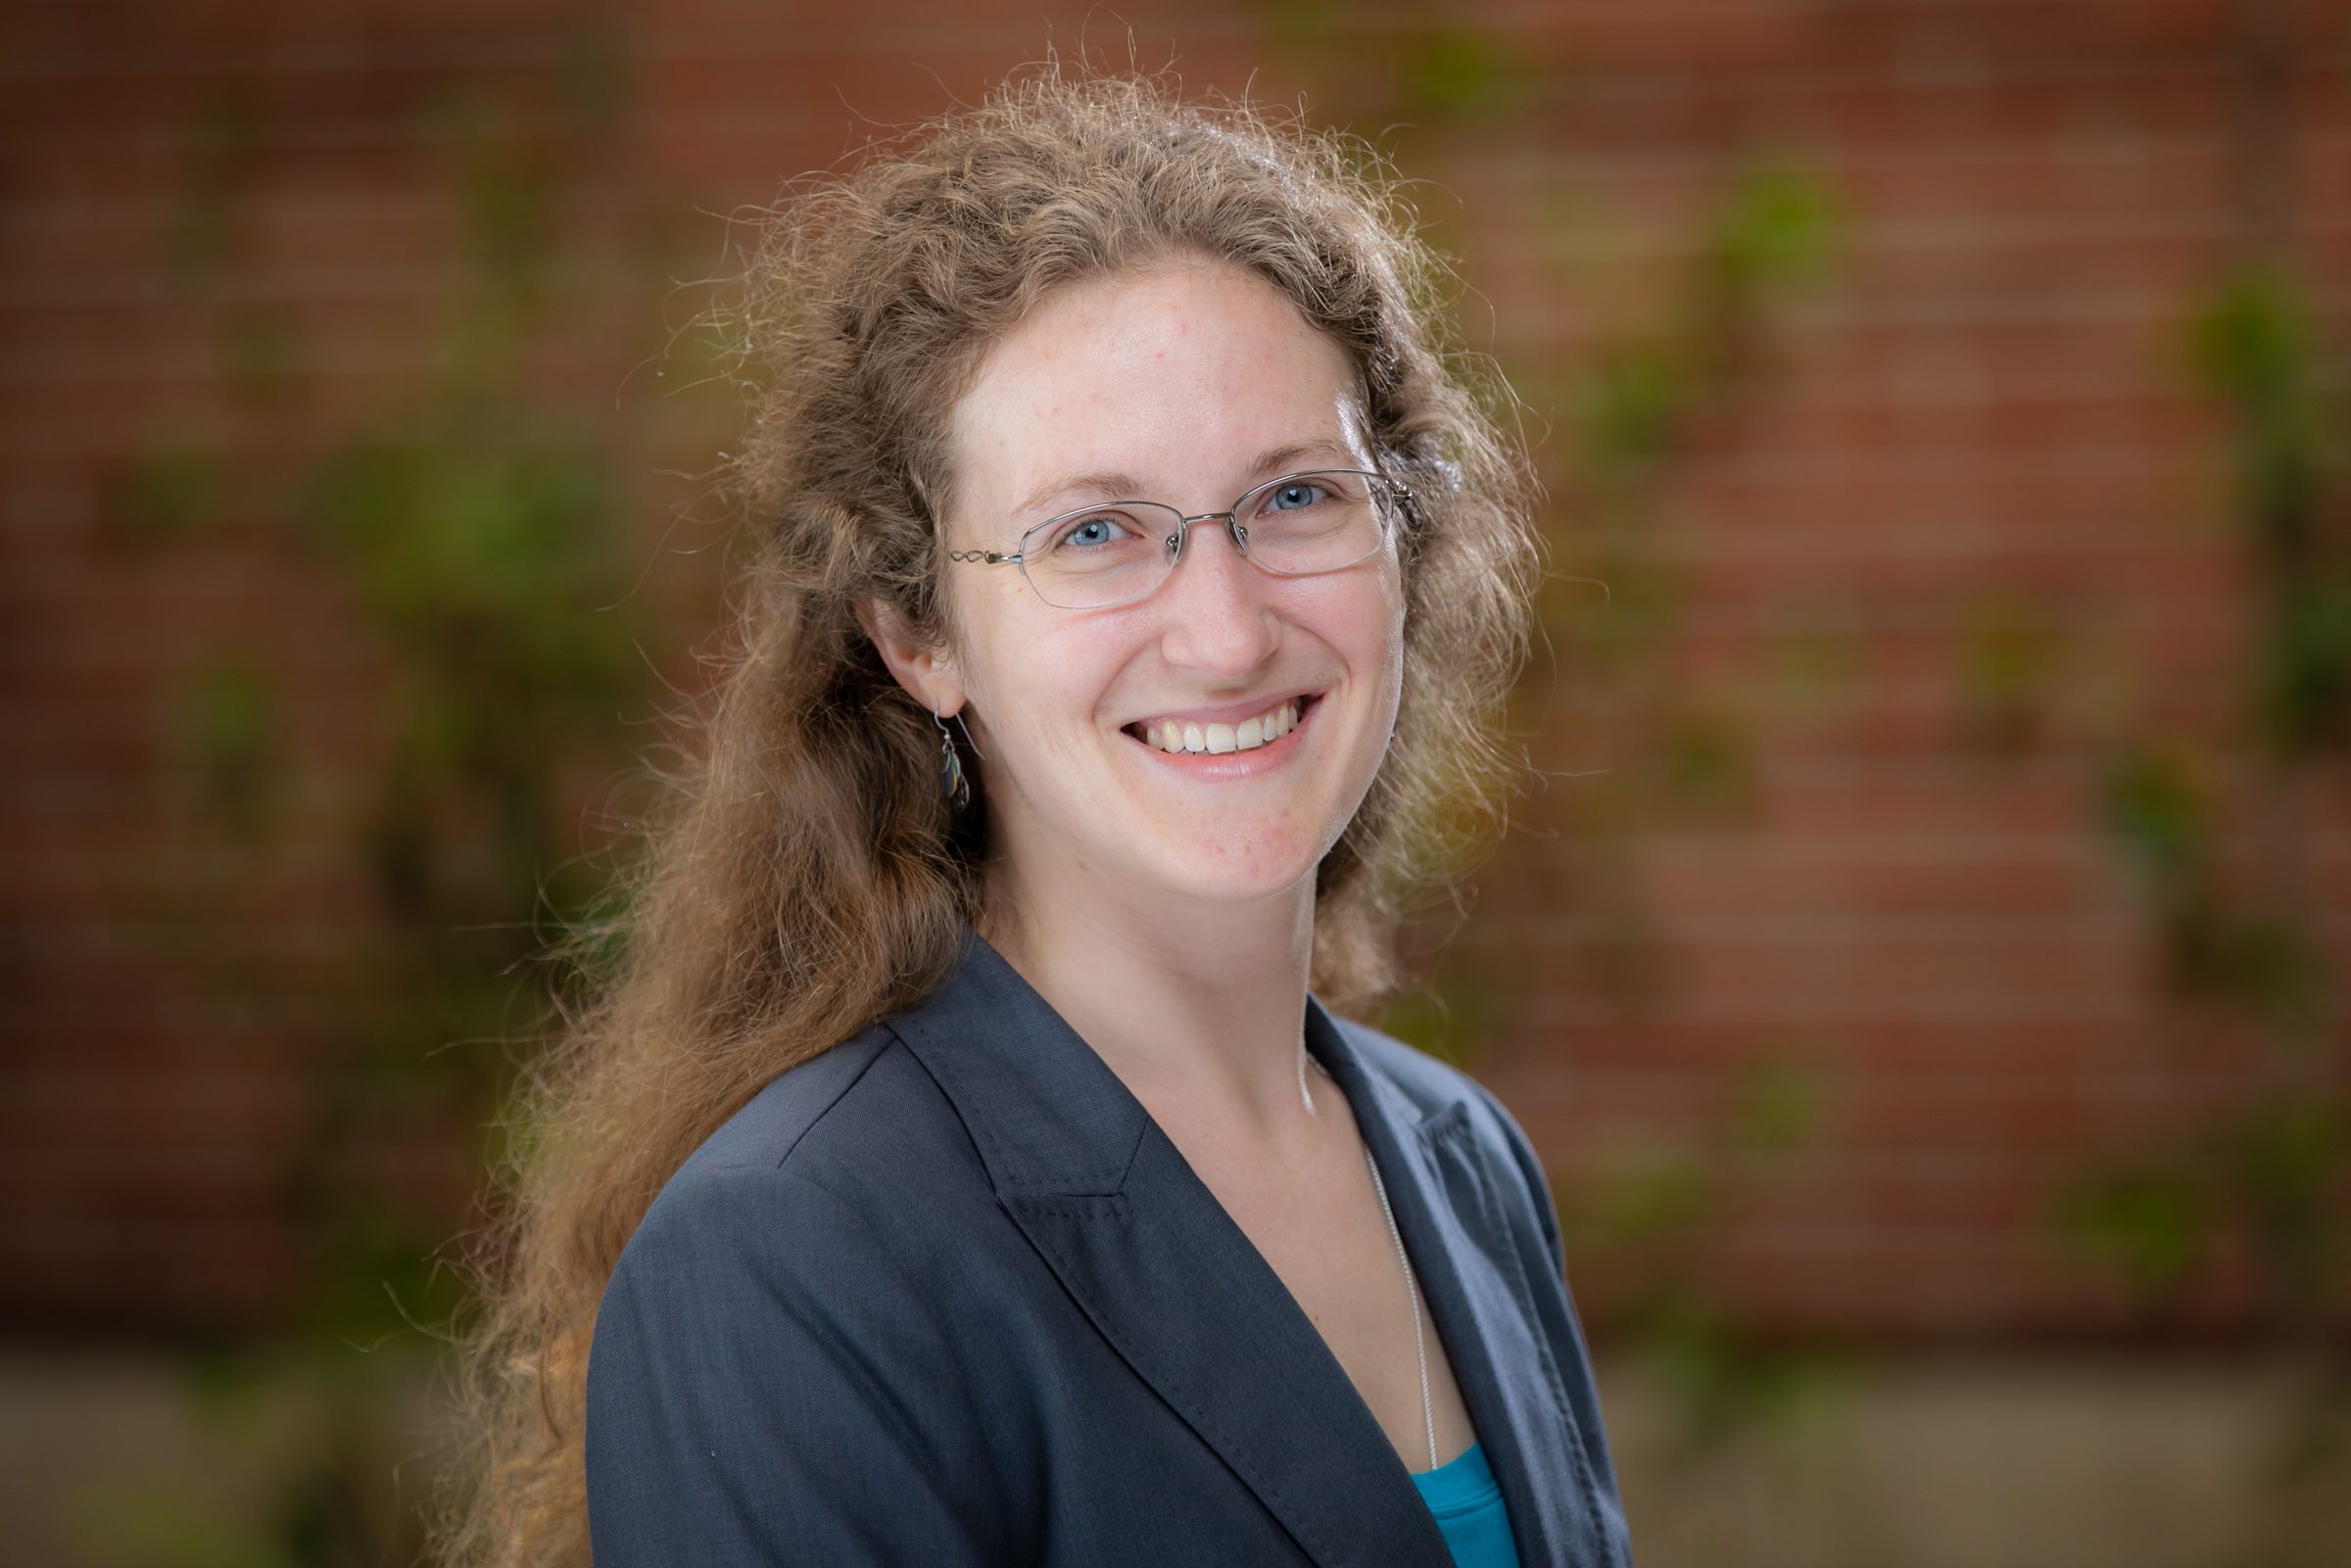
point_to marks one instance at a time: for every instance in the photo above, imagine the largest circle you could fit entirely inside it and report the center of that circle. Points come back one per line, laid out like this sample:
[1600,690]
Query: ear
[927,673]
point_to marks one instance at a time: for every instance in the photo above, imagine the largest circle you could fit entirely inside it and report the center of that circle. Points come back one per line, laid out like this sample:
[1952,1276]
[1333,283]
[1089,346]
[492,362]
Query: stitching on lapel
[1451,1126]
[1113,1206]
[1113,1179]
[1459,1134]
[1455,1129]
[941,1066]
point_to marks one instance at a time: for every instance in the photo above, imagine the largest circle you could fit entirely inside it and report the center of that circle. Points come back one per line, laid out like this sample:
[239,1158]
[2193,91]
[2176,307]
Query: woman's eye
[1095,531]
[1289,498]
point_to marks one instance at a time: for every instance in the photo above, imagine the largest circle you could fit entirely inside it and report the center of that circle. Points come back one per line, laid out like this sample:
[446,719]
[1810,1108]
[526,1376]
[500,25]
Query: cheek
[1035,688]
[1362,620]
[1373,648]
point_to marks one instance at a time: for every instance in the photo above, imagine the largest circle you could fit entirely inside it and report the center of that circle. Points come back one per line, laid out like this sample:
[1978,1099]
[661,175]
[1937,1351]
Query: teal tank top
[1467,1502]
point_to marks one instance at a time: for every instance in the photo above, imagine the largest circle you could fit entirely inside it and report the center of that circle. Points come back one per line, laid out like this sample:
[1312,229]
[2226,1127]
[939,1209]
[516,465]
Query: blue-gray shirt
[946,1294]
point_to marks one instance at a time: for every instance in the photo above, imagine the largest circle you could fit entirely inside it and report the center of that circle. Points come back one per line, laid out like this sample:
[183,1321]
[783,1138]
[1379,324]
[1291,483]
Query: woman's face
[1186,384]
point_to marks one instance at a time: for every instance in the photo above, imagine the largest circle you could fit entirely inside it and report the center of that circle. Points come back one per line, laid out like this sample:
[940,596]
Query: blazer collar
[1440,1184]
[1162,1272]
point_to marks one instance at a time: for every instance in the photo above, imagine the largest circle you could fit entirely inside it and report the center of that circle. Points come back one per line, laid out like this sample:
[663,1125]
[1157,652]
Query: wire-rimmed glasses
[1301,524]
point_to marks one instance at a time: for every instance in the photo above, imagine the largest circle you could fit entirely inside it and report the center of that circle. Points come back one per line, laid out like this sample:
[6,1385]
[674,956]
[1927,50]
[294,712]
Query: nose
[1218,615]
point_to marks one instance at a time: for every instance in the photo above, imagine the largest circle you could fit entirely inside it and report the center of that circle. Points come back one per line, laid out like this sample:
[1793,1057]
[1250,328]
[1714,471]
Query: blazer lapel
[1440,1184]
[1162,1272]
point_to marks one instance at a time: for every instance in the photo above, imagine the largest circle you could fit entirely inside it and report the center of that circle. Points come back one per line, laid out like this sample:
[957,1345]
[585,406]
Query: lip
[1230,764]
[1227,713]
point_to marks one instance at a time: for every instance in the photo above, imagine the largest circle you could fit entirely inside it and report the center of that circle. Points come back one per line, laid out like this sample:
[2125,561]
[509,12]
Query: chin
[1229,875]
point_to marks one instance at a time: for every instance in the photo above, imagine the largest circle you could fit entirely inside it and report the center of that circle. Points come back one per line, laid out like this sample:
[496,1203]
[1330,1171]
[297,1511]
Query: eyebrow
[1109,486]
[1112,485]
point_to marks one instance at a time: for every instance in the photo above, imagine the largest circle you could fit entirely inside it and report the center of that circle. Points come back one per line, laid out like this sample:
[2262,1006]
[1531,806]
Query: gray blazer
[946,1294]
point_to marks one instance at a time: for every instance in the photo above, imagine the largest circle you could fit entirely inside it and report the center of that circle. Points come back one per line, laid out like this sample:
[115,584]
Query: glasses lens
[1306,523]
[1101,556]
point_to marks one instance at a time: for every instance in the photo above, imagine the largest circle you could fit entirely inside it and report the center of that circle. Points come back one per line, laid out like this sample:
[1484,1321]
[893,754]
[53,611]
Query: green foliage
[2149,1225]
[1639,397]
[2306,671]
[475,521]
[2214,948]
[1773,235]
[232,726]
[1642,1224]
[1777,1107]
[1702,767]
[2283,1165]
[1307,23]
[1820,656]
[171,491]
[2245,948]
[479,531]
[2155,810]
[157,1527]
[259,354]
[1641,404]
[485,552]
[2258,348]
[2012,656]
[1632,405]
[1436,66]
[1656,1204]
[2269,1172]
[1650,1199]
[1726,1384]
[327,1452]
[1778,229]
[1455,69]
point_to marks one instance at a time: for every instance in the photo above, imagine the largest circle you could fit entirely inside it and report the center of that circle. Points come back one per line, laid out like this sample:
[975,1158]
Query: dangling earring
[950,768]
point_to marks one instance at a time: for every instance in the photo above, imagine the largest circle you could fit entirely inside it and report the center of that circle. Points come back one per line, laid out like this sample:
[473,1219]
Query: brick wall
[1991,415]
[1907,903]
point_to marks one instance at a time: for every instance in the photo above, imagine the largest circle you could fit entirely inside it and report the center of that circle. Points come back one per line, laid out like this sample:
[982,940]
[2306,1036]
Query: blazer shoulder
[854,1120]
[772,1124]
[1433,1086]
[849,1167]
[1430,1084]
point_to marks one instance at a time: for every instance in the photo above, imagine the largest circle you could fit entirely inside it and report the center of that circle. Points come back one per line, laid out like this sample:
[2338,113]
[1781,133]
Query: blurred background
[1920,959]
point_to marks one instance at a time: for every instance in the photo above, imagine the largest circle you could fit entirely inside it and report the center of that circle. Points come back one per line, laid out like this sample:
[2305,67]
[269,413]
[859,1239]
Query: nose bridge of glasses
[1232,531]
[1215,606]
[1235,536]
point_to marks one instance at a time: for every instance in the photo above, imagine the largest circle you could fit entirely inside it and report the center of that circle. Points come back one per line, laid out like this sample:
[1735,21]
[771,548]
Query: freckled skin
[1178,380]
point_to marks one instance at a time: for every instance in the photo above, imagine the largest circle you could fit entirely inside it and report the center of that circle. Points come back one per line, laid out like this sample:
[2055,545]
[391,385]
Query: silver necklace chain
[1411,1288]
[1411,1294]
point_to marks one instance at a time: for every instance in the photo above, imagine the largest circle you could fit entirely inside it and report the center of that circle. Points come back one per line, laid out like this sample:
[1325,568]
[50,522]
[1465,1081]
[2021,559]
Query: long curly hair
[807,877]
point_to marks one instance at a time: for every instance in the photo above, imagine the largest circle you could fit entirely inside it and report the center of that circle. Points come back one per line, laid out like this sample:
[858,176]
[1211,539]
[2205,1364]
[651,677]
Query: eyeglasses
[1299,525]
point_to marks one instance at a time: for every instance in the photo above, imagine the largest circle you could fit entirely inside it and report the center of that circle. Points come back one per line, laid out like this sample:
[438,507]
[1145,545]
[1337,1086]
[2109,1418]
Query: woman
[1015,1202]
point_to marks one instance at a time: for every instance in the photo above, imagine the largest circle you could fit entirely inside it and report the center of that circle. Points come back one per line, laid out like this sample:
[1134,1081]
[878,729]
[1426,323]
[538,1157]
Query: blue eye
[1289,498]
[1094,531]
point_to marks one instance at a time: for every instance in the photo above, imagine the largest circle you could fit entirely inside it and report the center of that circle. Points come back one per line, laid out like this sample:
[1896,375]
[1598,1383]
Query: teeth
[1215,739]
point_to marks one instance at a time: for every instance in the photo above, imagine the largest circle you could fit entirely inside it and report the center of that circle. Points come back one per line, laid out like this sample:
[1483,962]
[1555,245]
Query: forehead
[1181,374]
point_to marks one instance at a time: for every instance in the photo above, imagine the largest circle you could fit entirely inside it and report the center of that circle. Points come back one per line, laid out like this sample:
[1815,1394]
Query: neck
[1196,1005]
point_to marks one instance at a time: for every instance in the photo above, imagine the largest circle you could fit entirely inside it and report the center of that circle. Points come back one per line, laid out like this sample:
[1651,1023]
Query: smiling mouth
[1216,739]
